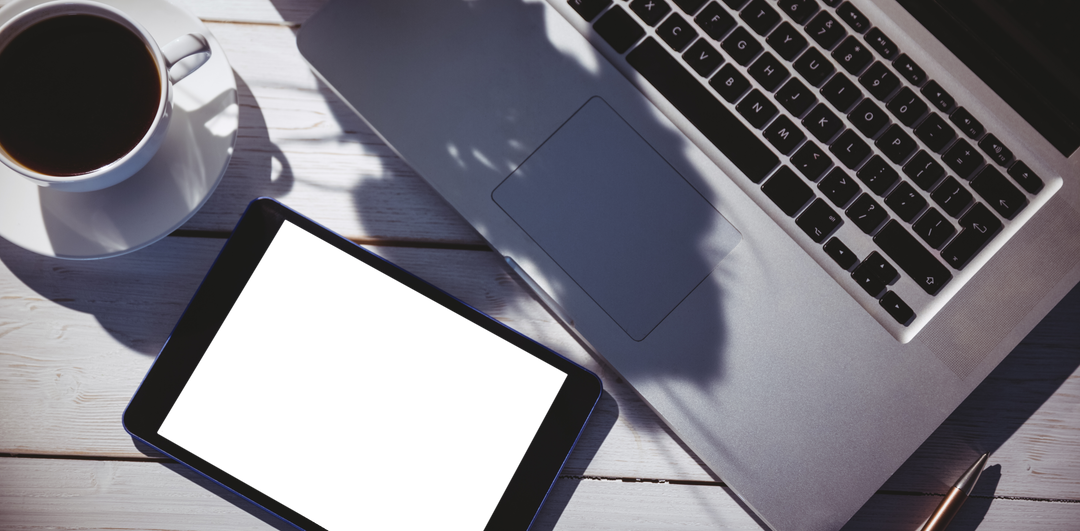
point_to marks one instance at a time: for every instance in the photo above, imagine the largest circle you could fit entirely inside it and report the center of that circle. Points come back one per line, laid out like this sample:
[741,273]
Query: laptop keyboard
[917,174]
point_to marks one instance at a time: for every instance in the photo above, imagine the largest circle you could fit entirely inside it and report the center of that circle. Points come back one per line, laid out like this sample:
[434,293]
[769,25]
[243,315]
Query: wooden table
[77,337]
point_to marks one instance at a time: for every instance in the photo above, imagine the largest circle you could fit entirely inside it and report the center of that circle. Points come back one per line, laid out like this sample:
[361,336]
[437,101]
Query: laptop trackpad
[617,218]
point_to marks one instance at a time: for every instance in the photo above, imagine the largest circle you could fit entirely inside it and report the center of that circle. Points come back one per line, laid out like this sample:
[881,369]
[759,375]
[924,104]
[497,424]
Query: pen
[952,502]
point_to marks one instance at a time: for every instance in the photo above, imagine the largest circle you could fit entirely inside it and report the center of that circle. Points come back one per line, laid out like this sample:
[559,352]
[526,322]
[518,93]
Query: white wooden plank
[77,337]
[100,495]
[291,12]
[93,495]
[602,505]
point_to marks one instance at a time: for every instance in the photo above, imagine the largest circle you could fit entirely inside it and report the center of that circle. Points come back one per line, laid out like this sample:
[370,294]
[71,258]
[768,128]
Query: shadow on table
[138,297]
[258,168]
[899,511]
[989,417]
[1003,403]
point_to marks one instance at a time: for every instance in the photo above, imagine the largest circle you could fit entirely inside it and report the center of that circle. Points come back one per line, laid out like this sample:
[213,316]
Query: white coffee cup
[170,69]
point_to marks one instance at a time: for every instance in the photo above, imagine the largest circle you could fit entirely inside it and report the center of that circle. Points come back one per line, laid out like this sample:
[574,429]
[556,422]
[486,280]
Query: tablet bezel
[226,279]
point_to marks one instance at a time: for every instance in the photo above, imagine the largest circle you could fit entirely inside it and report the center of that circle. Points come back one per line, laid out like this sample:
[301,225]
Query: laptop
[803,230]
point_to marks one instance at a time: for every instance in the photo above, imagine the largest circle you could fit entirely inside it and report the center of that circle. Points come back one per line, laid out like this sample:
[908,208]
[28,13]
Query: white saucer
[163,195]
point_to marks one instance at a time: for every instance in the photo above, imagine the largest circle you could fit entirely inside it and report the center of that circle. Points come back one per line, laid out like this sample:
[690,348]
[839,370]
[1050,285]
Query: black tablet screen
[358,402]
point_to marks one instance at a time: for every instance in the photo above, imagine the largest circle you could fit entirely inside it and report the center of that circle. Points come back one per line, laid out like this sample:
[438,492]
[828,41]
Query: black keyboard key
[896,144]
[619,29]
[933,228]
[787,190]
[967,123]
[795,97]
[841,254]
[814,67]
[799,10]
[825,30]
[853,18]
[909,70]
[729,83]
[768,71]
[757,108]
[811,161]
[831,3]
[866,214]
[877,175]
[818,221]
[841,92]
[735,4]
[998,192]
[963,159]
[588,9]
[977,228]
[996,150]
[702,57]
[868,118]
[839,187]
[822,123]
[741,46]
[677,32]
[879,81]
[850,149]
[702,109]
[1027,178]
[880,266]
[784,134]
[689,6]
[650,12]
[760,16]
[787,41]
[935,133]
[853,55]
[924,170]
[884,45]
[938,97]
[951,196]
[715,21]
[897,308]
[899,245]
[905,202]
[868,279]
[907,106]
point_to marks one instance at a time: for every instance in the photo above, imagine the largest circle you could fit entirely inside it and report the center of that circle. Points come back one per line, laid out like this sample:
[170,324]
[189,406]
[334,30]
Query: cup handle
[182,48]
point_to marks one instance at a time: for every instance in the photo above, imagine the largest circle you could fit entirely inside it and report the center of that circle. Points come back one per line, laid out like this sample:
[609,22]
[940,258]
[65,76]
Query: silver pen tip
[967,481]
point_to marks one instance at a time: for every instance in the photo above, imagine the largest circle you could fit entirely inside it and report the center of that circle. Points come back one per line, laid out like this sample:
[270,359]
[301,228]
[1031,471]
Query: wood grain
[77,337]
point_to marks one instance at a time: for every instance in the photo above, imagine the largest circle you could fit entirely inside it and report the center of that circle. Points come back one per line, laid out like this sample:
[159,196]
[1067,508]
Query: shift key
[925,269]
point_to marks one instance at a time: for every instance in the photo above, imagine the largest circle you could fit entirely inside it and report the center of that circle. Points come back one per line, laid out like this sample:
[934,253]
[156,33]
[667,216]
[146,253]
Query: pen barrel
[946,510]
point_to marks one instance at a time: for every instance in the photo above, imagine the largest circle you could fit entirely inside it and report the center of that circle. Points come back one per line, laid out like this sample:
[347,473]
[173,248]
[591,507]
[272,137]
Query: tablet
[339,391]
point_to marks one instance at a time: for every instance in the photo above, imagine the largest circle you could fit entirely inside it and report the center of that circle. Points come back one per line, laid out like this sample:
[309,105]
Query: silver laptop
[803,230]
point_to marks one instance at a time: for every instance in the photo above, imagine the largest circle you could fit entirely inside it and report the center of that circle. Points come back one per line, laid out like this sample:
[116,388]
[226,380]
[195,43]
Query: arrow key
[897,308]
[978,227]
[867,277]
[998,192]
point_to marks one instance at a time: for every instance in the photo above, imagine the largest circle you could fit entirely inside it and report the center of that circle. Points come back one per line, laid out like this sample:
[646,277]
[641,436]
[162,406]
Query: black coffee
[76,93]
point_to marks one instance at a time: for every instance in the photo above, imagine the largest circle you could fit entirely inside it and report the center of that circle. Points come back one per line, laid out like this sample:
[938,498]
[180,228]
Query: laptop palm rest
[617,218]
